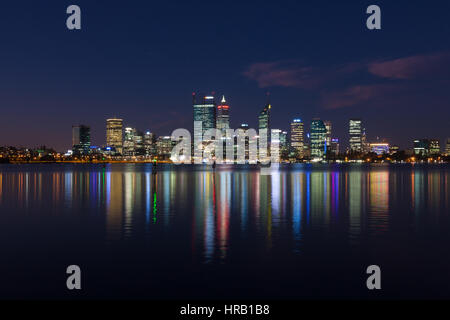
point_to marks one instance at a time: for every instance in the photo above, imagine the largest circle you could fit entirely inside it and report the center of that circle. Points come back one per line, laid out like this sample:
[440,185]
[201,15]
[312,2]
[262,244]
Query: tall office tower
[138,140]
[247,141]
[223,115]
[283,139]
[114,128]
[447,147]
[328,138]
[365,145]
[318,139]
[297,141]
[205,112]
[356,135]
[204,115]
[264,124]
[434,147]
[284,145]
[275,144]
[223,123]
[149,144]
[81,139]
[264,118]
[128,142]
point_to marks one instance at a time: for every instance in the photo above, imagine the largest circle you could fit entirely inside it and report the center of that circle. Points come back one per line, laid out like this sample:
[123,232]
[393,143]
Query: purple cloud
[413,67]
[283,74]
[355,95]
[295,74]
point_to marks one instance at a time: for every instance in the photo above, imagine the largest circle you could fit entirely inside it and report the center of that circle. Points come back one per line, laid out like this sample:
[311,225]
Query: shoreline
[209,165]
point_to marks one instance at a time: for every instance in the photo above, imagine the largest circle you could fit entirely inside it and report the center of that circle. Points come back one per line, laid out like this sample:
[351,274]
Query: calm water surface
[307,231]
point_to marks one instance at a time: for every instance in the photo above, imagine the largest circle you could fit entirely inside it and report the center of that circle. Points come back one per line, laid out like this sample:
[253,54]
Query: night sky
[141,61]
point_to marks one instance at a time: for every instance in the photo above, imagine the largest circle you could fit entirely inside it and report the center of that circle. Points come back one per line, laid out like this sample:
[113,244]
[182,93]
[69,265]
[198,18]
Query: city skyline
[217,115]
[320,62]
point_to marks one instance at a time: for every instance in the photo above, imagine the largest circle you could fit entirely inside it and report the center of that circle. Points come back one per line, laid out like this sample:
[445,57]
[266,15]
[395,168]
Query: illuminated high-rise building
[284,145]
[283,139]
[223,123]
[447,147]
[164,146]
[149,144]
[138,140]
[356,135]
[204,117]
[114,135]
[328,138]
[264,126]
[251,144]
[297,140]
[128,142]
[205,112]
[81,139]
[365,145]
[318,139]
[223,115]
[264,118]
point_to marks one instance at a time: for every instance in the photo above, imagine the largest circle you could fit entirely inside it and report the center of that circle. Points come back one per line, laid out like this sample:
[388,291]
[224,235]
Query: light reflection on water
[233,223]
[350,201]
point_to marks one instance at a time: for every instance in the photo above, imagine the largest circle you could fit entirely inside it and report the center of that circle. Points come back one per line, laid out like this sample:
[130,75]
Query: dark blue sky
[141,60]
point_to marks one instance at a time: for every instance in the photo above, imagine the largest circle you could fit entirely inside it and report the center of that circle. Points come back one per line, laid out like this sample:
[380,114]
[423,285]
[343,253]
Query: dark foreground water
[307,231]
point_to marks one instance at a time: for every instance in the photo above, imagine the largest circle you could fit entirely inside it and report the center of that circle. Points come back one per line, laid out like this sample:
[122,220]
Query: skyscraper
[114,129]
[223,116]
[264,118]
[356,136]
[81,139]
[264,133]
[297,141]
[204,116]
[251,144]
[205,112]
[149,144]
[328,138]
[284,145]
[138,141]
[447,147]
[365,146]
[318,139]
[283,139]
[128,142]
